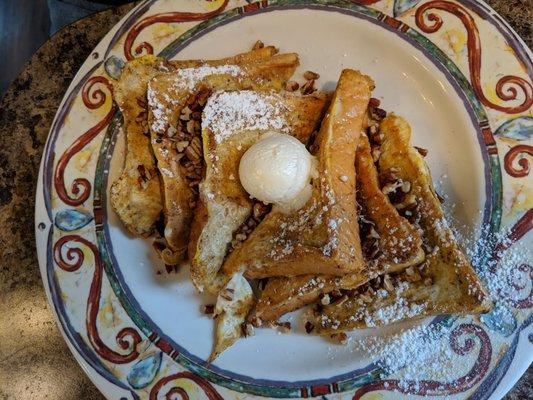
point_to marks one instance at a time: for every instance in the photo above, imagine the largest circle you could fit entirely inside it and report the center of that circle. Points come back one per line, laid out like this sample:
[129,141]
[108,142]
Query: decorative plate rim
[45,180]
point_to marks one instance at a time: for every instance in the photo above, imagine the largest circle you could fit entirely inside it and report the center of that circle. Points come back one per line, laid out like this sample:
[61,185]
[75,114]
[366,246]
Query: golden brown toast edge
[136,194]
[221,194]
[399,242]
[179,196]
[232,307]
[399,245]
[448,284]
[315,247]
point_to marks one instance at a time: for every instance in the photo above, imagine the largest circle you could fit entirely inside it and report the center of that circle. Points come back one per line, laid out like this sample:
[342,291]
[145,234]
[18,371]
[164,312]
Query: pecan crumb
[208,309]
[340,337]
[365,297]
[181,145]
[256,321]
[325,299]
[292,86]
[310,75]
[247,329]
[374,102]
[260,210]
[258,45]
[372,130]
[240,237]
[309,326]
[284,327]
[340,301]
[226,294]
[391,187]
[388,283]
[308,87]
[423,152]
[406,187]
[379,113]
[376,153]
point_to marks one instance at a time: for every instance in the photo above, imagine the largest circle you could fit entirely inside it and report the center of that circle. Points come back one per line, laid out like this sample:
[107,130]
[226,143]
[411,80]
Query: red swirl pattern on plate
[364,2]
[207,388]
[512,154]
[527,272]
[81,187]
[504,90]
[519,229]
[163,17]
[127,338]
[435,388]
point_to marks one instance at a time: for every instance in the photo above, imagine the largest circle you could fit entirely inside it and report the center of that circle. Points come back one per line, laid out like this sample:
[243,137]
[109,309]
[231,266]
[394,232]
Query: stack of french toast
[370,245]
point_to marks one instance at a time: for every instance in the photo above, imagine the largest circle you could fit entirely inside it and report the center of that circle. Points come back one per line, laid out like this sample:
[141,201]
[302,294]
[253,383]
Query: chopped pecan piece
[374,102]
[258,45]
[309,326]
[247,329]
[340,337]
[387,282]
[310,75]
[423,152]
[208,309]
[308,87]
[292,86]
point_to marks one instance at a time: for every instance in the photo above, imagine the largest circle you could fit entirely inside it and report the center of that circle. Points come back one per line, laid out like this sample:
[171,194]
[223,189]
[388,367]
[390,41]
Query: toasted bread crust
[400,246]
[400,243]
[449,284]
[228,205]
[166,99]
[322,237]
[137,203]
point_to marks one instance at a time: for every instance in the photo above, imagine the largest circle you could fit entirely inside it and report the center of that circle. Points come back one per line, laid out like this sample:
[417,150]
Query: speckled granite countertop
[34,360]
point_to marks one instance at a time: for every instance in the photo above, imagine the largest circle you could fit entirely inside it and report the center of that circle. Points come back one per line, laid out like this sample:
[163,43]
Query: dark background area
[39,350]
[26,24]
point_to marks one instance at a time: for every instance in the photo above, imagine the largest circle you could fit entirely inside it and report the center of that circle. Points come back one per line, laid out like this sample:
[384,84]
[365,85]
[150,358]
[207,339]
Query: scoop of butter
[278,169]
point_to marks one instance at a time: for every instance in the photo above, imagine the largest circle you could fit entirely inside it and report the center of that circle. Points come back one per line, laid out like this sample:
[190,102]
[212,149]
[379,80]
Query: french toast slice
[232,122]
[390,243]
[445,283]
[232,307]
[322,237]
[136,194]
[175,103]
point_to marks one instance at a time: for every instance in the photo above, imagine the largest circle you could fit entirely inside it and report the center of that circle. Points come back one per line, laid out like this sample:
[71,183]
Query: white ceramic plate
[139,333]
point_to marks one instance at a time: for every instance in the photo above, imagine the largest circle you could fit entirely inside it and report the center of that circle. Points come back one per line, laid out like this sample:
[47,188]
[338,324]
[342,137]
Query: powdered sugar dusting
[229,112]
[413,353]
[424,352]
[399,310]
[160,117]
[183,79]
[188,78]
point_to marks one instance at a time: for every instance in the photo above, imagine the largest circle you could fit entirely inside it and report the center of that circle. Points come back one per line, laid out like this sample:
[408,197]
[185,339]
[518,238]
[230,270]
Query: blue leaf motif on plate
[520,128]
[145,370]
[401,6]
[500,320]
[113,66]
[71,219]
